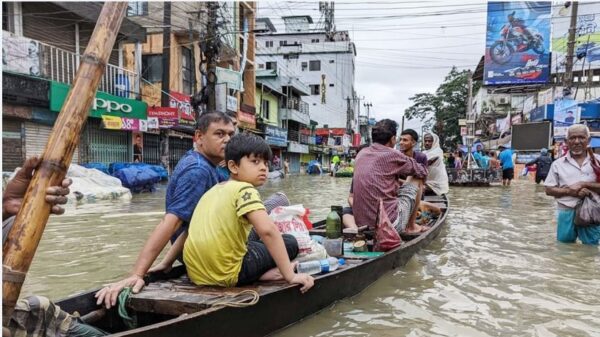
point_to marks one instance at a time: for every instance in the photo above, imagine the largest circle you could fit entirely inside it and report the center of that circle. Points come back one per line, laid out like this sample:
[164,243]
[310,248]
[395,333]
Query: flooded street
[495,270]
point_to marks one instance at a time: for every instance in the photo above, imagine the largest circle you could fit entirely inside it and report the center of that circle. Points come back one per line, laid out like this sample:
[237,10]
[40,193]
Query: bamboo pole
[25,235]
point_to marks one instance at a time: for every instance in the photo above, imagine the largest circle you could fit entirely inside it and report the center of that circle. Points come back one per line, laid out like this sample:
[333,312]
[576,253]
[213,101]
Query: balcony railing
[61,66]
[298,105]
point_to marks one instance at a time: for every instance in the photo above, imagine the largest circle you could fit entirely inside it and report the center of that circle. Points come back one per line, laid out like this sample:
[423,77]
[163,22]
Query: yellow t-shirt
[218,233]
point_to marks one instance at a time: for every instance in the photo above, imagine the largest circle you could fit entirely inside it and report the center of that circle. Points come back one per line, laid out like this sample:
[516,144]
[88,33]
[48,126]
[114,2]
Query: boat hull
[277,309]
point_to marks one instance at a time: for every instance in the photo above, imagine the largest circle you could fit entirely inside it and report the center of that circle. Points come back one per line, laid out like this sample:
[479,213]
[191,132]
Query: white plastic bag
[288,220]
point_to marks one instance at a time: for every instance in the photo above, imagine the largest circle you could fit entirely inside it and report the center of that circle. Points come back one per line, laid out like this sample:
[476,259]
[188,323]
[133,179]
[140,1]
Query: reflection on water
[495,270]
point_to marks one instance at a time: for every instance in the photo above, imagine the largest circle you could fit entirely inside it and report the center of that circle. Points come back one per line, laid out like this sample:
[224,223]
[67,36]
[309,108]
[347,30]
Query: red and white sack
[290,220]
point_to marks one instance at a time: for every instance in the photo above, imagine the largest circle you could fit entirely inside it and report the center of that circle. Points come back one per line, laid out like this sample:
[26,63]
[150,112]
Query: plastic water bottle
[320,266]
[333,225]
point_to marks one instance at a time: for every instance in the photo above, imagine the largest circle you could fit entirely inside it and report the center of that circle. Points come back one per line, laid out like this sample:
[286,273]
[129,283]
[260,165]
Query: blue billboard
[517,43]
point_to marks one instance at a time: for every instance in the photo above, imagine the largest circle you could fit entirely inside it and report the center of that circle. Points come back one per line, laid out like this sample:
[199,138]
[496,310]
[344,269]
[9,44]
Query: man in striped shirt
[376,176]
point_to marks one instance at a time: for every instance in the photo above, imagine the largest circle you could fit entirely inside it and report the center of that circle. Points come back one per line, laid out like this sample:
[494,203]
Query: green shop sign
[104,104]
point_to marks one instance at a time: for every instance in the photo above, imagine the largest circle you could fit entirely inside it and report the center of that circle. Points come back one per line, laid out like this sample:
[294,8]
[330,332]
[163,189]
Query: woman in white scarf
[437,180]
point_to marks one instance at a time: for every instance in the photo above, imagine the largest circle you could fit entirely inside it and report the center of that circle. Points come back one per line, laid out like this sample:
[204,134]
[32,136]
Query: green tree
[440,111]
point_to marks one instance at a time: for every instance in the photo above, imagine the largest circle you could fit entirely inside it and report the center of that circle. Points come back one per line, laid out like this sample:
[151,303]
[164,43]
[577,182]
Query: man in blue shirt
[195,174]
[508,167]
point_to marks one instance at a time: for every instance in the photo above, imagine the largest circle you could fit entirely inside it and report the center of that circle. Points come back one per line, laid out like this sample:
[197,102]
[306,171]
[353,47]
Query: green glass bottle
[333,224]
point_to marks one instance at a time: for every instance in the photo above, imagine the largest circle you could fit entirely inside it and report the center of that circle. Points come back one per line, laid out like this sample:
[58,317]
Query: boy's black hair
[211,117]
[412,133]
[383,131]
[247,144]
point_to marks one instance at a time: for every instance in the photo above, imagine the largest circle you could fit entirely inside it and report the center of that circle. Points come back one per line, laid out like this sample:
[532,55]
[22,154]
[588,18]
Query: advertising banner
[183,104]
[167,117]
[112,122]
[20,55]
[566,113]
[587,42]
[517,43]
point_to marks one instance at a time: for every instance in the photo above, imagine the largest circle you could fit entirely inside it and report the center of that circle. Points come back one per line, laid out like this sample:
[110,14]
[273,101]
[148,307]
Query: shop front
[276,137]
[294,152]
[110,135]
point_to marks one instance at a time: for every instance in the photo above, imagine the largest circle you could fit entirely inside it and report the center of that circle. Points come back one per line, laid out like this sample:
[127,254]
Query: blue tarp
[314,167]
[595,142]
[161,171]
[137,178]
[98,166]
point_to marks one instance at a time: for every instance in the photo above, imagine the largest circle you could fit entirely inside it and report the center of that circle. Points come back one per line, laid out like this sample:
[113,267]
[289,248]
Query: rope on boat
[130,321]
[237,302]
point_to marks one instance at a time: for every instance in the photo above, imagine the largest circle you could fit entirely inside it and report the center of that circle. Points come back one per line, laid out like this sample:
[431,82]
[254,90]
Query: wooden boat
[178,308]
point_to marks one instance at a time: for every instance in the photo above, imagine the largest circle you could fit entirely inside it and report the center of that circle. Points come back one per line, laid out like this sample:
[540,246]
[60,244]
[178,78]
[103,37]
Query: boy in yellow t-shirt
[217,250]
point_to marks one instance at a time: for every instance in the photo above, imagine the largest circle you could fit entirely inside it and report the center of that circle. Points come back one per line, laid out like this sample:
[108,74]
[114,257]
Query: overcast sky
[403,47]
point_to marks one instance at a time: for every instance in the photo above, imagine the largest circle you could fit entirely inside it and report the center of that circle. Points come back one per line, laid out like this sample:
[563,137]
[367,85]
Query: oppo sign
[111,106]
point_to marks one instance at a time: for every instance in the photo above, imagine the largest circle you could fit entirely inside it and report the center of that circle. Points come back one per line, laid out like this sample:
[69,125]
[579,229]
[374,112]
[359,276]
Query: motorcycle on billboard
[517,43]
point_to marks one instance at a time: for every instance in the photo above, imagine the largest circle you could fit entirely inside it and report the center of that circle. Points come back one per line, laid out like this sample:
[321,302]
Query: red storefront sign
[183,104]
[356,140]
[332,131]
[247,119]
[167,117]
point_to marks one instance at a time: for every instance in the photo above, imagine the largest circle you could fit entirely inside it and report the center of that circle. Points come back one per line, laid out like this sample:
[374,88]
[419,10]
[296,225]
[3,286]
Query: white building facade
[325,64]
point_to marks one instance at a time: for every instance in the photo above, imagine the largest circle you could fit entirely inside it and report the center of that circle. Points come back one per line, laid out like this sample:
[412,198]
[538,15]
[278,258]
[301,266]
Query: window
[271,66]
[282,43]
[261,66]
[152,68]
[186,71]
[5,16]
[315,89]
[290,56]
[265,109]
[137,8]
[314,66]
[331,61]
[314,40]
[331,85]
[304,66]
[269,44]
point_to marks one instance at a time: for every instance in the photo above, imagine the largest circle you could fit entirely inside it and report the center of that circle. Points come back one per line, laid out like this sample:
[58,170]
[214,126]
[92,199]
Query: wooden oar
[31,220]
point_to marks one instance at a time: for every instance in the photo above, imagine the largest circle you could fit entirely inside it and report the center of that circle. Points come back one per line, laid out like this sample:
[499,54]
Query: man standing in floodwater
[570,179]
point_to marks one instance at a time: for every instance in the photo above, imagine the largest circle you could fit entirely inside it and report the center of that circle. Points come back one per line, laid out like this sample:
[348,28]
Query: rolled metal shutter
[36,138]
[12,145]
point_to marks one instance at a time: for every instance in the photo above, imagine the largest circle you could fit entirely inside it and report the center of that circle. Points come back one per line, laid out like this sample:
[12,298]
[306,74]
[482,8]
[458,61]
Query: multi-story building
[325,61]
[41,49]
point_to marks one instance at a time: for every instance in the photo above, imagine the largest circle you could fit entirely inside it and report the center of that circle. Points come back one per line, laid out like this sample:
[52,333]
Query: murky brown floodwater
[496,270]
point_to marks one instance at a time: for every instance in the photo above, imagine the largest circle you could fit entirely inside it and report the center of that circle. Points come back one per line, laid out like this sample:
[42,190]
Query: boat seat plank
[180,296]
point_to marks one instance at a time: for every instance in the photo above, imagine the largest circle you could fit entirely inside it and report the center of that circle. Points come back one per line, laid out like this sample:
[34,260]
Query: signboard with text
[103,104]
[167,117]
[232,78]
[183,104]
[275,136]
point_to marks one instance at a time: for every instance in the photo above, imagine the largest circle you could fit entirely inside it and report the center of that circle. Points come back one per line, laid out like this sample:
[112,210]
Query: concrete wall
[337,64]
[273,106]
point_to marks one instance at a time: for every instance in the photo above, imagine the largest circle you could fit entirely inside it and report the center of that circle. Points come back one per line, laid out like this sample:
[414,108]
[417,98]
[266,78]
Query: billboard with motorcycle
[517,42]
[587,42]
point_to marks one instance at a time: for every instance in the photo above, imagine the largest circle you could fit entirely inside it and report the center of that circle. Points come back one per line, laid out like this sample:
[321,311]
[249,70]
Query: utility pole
[193,65]
[211,52]
[166,79]
[369,136]
[470,121]
[568,82]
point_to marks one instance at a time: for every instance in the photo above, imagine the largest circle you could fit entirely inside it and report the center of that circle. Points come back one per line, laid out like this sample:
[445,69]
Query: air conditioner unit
[503,100]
